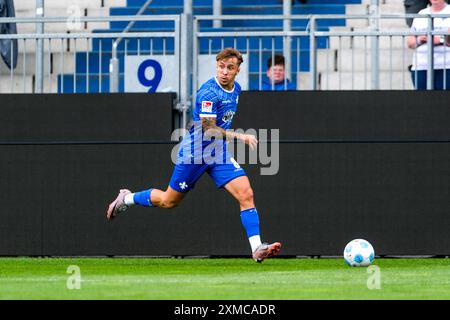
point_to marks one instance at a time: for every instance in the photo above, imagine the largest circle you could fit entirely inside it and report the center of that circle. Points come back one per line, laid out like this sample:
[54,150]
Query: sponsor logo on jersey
[207,106]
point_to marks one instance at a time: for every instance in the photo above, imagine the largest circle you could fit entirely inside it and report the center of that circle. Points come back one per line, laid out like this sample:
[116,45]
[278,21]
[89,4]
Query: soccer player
[204,149]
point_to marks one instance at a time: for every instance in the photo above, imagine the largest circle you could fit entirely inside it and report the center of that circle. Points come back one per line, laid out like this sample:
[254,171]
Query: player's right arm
[211,129]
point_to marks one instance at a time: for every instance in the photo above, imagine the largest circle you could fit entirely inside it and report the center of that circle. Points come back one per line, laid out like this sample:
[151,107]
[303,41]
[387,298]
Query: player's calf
[168,204]
[148,198]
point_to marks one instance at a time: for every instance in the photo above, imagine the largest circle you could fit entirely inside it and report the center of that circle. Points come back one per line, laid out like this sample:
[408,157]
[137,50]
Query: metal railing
[320,58]
[244,41]
[336,59]
[62,51]
[399,57]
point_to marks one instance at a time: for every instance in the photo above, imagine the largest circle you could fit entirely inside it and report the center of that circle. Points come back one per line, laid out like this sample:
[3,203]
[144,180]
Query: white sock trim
[255,242]
[129,199]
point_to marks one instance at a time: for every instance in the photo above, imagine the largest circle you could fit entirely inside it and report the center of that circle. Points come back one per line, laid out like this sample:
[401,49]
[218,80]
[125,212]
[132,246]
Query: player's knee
[246,195]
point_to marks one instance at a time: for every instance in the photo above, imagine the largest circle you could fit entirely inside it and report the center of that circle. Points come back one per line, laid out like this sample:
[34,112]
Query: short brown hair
[279,61]
[230,53]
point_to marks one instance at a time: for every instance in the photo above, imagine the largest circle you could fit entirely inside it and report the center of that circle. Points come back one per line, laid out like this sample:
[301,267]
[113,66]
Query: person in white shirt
[441,48]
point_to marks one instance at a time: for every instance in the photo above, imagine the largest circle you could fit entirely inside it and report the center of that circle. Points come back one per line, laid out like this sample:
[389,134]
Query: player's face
[227,70]
[276,73]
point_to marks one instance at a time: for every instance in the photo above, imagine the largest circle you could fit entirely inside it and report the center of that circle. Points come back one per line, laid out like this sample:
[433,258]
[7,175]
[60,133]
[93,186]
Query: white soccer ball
[359,253]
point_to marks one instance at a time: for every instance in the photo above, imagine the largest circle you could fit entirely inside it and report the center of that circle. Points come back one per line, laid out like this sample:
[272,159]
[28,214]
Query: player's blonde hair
[230,53]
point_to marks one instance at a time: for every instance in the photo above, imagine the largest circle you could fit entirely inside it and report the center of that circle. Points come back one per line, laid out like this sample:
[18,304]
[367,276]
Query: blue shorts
[185,176]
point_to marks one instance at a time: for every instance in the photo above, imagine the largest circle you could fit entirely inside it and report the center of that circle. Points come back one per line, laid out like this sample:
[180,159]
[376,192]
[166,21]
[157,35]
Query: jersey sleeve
[206,104]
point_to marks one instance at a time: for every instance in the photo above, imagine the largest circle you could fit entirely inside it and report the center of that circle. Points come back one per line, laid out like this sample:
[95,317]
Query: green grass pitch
[214,279]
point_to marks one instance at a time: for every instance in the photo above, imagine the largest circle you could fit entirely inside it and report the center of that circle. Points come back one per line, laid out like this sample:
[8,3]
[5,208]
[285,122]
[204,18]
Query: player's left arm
[211,129]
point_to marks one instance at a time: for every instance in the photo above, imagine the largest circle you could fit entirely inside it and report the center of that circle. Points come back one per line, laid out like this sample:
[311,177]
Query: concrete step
[394,7]
[97,12]
[385,24]
[26,84]
[326,60]
[114,3]
[385,8]
[399,80]
[55,45]
[16,84]
[356,9]
[347,60]
[303,81]
[31,4]
[26,64]
[71,12]
[383,2]
[51,11]
[361,42]
[49,27]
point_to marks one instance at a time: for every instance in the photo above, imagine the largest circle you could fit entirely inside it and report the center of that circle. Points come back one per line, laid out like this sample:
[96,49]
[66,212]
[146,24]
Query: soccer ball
[359,253]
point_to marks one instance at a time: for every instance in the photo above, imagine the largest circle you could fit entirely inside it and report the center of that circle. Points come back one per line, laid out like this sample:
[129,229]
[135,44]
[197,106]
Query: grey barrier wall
[85,117]
[348,115]
[345,172]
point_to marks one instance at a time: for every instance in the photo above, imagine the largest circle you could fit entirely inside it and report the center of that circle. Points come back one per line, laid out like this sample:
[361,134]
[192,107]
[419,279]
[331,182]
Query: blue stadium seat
[68,83]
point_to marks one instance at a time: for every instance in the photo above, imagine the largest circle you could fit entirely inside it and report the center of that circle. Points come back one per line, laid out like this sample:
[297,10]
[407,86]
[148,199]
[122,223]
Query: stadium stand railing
[79,62]
[334,53]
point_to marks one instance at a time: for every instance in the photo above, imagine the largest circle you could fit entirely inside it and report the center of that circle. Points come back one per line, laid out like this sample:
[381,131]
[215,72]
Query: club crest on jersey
[207,106]
[228,116]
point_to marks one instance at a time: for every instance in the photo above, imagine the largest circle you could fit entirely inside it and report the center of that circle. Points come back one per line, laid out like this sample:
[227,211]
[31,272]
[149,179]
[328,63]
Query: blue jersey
[199,154]
[212,101]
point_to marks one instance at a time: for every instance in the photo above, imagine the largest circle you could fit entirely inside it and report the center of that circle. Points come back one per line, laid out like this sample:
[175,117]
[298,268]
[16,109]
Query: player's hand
[249,139]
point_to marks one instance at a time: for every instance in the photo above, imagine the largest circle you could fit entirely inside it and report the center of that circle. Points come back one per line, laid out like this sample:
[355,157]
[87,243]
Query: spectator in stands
[441,53]
[276,76]
[413,7]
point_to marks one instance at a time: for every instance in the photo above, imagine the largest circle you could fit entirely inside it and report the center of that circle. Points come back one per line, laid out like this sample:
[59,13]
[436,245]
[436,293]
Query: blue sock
[143,198]
[250,221]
